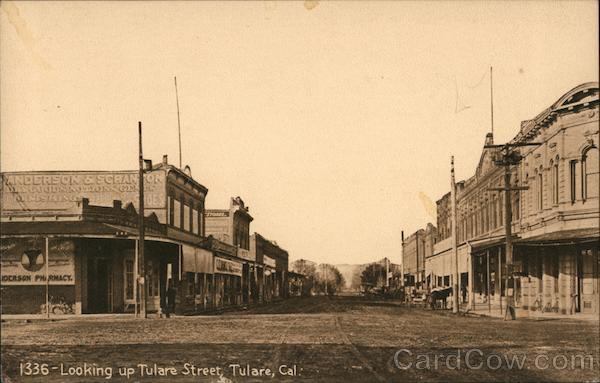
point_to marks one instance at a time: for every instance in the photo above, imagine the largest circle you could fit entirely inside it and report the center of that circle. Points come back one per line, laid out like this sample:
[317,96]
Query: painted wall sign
[225,266]
[223,248]
[268,261]
[216,214]
[59,190]
[245,254]
[24,261]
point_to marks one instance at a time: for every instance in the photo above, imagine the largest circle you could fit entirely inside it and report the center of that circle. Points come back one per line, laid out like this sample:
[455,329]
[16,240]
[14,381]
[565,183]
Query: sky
[334,121]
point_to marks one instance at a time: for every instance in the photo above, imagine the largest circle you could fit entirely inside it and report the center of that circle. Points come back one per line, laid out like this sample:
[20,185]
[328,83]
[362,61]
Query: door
[129,281]
[99,285]
[588,281]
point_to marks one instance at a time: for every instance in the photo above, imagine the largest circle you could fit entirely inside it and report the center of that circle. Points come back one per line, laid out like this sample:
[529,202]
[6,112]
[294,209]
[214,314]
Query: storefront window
[191,283]
[128,279]
[153,279]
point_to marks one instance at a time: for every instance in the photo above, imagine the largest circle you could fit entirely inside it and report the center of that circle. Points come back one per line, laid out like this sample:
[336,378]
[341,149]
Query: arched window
[554,170]
[494,214]
[573,179]
[501,210]
[590,173]
[541,189]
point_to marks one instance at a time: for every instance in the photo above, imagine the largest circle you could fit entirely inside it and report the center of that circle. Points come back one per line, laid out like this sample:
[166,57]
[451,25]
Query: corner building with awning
[75,235]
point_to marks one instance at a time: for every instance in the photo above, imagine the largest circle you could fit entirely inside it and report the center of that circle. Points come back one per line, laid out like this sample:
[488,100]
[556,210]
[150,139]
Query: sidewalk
[482,309]
[43,317]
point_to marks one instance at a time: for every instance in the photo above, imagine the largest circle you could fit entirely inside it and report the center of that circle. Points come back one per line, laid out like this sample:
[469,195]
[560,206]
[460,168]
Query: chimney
[165,159]
[489,139]
[117,204]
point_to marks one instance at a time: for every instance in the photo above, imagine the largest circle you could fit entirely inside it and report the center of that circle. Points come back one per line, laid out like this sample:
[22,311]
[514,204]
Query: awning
[487,243]
[68,228]
[565,237]
[197,260]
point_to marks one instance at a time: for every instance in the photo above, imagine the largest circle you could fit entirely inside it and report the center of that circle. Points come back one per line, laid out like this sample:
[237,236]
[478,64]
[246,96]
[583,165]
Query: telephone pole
[141,227]
[509,157]
[455,292]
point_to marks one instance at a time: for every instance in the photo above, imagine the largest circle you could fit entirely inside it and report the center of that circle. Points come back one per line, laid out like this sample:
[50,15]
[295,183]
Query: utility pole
[141,227]
[509,157]
[455,291]
[402,282]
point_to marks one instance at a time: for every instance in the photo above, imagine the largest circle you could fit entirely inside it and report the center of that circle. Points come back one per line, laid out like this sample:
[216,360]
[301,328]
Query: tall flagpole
[454,239]
[492,99]
[178,121]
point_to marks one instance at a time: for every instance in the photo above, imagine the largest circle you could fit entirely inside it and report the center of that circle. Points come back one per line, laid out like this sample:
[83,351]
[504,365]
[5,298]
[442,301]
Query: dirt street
[320,339]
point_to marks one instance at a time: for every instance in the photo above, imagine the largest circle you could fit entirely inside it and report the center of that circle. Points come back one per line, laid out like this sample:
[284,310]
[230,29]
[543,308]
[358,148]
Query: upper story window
[573,179]
[554,176]
[195,222]
[540,190]
[186,217]
[590,173]
[176,213]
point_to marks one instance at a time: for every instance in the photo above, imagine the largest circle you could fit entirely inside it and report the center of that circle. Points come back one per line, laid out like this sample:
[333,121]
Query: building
[271,269]
[555,222]
[429,241]
[232,226]
[73,237]
[87,220]
[413,259]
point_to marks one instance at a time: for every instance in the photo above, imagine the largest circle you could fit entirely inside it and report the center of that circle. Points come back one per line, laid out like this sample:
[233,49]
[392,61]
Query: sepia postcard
[299,191]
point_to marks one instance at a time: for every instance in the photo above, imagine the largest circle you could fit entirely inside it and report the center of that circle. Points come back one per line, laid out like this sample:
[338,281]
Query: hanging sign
[225,266]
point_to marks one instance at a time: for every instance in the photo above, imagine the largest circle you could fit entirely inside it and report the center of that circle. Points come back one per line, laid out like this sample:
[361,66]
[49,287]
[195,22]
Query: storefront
[83,266]
[554,273]
[228,282]
[85,275]
[196,292]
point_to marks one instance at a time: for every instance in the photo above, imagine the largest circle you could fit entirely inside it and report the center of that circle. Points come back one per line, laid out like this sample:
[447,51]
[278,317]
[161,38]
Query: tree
[309,270]
[329,280]
[373,276]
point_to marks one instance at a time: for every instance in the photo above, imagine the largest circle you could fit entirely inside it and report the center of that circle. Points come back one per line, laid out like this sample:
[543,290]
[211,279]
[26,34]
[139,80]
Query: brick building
[555,222]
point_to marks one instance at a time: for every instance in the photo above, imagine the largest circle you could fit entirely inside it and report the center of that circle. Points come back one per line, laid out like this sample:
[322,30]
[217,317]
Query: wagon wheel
[57,310]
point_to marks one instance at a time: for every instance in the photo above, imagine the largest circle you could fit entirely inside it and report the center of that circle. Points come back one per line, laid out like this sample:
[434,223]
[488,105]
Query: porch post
[500,278]
[487,278]
[135,280]
[47,278]
[471,278]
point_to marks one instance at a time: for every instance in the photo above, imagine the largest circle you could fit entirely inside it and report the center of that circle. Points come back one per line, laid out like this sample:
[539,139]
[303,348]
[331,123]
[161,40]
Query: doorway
[586,280]
[99,285]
